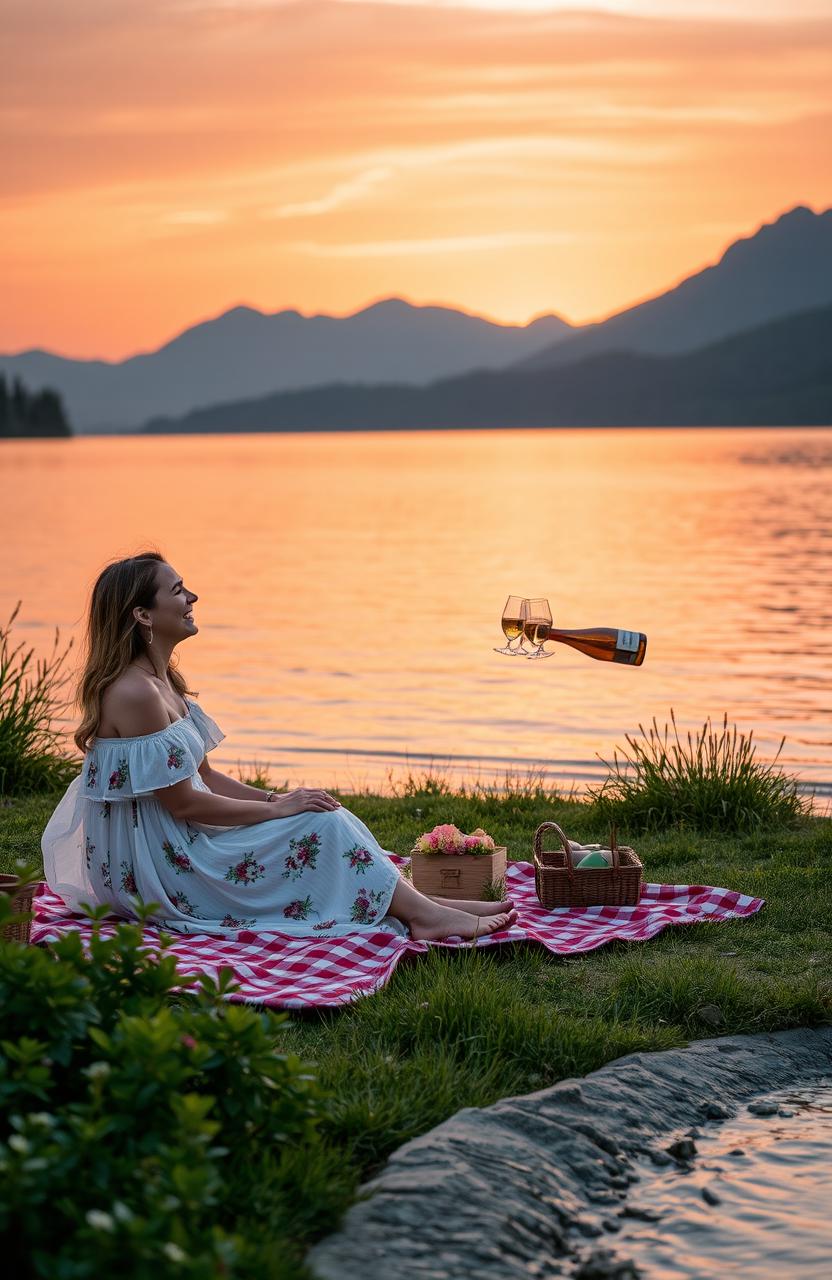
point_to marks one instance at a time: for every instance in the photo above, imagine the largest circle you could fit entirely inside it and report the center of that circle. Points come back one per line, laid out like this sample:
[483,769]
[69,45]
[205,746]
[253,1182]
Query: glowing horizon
[173,159]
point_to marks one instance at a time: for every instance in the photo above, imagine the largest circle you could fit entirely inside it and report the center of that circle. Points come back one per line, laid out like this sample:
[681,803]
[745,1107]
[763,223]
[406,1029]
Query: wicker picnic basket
[21,901]
[560,884]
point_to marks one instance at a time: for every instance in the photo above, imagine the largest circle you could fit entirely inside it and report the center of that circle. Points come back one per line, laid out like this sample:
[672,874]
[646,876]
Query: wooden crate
[450,875]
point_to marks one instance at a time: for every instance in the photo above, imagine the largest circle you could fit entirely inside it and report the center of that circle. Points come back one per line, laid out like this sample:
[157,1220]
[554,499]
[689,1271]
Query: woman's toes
[493,908]
[493,924]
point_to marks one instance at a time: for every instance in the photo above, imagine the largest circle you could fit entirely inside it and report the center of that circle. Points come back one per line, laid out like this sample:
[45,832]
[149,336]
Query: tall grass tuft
[31,758]
[710,782]
[511,784]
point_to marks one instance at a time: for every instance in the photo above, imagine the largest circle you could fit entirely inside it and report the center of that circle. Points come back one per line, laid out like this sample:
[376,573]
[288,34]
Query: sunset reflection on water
[350,587]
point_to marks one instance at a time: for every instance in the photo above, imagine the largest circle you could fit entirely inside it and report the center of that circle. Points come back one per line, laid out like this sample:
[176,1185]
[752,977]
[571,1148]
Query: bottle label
[628,641]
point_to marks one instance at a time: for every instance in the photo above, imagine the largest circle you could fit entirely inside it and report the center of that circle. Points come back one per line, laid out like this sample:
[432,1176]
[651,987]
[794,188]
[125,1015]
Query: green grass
[465,1028]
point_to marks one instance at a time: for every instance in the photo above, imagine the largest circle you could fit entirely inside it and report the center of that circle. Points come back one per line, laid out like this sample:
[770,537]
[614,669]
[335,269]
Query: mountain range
[247,353]
[778,374]
[393,356]
[785,267]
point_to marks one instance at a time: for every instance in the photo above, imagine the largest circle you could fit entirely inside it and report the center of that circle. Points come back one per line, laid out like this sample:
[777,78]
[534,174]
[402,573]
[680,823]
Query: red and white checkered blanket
[286,972]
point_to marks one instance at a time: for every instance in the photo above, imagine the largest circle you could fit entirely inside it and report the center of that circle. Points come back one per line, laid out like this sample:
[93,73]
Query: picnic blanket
[292,973]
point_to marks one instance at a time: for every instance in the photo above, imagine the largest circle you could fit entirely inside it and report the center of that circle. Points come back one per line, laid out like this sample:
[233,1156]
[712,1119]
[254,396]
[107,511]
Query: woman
[149,816]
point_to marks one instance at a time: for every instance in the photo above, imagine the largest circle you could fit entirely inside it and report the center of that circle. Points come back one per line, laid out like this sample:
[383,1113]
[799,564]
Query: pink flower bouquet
[447,838]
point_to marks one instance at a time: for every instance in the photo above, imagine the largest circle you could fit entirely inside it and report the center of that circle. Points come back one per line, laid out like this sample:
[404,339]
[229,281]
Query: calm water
[350,587]
[770,1185]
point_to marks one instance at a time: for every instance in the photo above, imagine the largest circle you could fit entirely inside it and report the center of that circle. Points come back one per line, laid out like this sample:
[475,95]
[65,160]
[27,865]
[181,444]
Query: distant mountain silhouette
[778,374]
[786,267]
[783,269]
[246,352]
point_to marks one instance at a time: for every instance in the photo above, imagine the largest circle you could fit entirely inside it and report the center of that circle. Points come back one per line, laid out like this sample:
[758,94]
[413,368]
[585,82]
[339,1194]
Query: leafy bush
[713,782]
[134,1123]
[31,757]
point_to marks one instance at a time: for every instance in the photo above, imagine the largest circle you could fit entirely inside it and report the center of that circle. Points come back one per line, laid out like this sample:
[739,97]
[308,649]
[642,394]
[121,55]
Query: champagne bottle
[607,644]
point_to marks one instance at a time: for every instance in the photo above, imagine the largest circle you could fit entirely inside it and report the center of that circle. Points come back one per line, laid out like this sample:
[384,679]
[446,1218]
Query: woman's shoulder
[131,707]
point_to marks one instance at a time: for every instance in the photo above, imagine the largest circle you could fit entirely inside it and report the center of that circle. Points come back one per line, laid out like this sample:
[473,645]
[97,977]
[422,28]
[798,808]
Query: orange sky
[164,160]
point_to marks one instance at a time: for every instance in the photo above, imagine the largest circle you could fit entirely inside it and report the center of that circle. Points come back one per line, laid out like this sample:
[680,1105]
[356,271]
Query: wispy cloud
[439,244]
[341,194]
[317,153]
[752,10]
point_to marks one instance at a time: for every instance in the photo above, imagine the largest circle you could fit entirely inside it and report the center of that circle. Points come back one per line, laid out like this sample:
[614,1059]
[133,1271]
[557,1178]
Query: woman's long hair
[113,639]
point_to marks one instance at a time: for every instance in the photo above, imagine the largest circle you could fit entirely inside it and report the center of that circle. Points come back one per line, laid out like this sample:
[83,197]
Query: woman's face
[171,616]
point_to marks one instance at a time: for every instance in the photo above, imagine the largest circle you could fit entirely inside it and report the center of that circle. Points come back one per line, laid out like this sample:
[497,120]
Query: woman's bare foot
[437,922]
[476,908]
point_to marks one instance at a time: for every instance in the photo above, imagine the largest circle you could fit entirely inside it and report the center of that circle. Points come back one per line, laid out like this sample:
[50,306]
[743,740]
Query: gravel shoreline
[520,1188]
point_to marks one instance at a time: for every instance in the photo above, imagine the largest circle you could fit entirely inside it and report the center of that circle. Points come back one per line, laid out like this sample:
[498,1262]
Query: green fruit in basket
[594,859]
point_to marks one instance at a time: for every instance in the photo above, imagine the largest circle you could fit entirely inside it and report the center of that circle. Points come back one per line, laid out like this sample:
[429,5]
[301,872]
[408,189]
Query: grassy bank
[466,1028]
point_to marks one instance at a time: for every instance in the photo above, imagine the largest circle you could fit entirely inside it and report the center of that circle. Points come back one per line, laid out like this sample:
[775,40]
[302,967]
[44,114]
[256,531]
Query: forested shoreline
[30,414]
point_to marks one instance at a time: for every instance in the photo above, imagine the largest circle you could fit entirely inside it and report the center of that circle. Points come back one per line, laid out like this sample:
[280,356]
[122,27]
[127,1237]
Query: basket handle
[567,848]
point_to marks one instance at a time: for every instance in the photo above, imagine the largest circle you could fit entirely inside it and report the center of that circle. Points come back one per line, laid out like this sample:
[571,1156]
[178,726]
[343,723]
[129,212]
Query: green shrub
[136,1123]
[31,755]
[710,783]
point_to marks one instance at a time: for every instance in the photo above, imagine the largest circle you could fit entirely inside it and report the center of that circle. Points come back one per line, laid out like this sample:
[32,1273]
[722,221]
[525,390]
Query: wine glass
[537,625]
[514,616]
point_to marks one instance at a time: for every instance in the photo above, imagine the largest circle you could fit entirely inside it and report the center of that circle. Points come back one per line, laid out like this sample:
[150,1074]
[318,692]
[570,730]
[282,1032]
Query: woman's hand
[302,800]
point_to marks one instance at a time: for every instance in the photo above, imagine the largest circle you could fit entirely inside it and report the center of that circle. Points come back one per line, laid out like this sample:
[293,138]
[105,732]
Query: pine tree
[25,414]
[4,406]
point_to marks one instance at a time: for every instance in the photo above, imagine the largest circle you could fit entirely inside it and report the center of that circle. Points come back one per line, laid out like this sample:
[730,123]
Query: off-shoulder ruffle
[124,768]
[212,734]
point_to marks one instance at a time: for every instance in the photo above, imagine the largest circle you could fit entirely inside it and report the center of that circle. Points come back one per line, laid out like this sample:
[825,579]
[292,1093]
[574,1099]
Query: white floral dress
[110,839]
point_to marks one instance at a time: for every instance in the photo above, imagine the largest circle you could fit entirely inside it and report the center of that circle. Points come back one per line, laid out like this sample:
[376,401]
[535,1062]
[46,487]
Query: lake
[754,1203]
[351,585]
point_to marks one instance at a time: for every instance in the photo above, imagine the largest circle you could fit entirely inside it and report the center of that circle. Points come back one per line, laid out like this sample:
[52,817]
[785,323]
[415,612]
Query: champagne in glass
[514,616]
[537,626]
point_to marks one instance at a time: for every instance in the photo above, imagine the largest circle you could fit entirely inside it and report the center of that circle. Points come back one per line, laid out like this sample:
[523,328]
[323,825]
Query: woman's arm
[186,803]
[300,800]
[222,785]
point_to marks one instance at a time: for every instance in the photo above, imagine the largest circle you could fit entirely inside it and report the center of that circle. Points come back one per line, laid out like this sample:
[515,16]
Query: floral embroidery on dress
[183,903]
[359,858]
[232,922]
[247,871]
[118,777]
[302,855]
[188,871]
[365,907]
[299,909]
[176,858]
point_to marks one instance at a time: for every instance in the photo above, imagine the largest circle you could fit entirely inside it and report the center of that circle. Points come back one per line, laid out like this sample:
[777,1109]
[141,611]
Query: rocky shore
[533,1185]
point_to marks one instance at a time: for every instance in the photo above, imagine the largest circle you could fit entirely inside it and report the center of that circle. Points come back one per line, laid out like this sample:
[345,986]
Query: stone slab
[514,1189]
